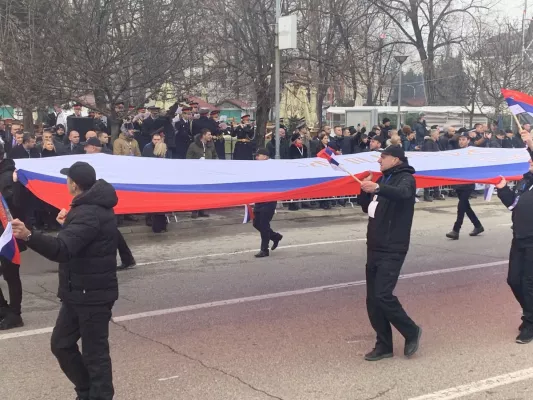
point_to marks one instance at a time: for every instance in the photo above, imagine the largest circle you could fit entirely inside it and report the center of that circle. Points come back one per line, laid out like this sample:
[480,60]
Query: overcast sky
[514,8]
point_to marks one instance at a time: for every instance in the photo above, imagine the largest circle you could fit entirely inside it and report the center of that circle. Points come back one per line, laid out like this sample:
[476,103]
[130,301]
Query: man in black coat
[198,125]
[431,144]
[463,193]
[520,277]
[10,314]
[149,126]
[263,214]
[86,252]
[389,204]
[183,133]
[27,149]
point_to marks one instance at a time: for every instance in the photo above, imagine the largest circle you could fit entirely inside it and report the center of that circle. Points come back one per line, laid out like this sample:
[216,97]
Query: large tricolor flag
[151,185]
[8,245]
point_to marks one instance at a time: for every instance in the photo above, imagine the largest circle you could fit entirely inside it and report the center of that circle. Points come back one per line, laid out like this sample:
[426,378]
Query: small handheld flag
[248,214]
[520,104]
[8,245]
[327,154]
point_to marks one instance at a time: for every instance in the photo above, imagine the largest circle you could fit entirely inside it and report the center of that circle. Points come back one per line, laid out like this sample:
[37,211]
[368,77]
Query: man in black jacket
[520,276]
[10,314]
[25,150]
[390,206]
[463,193]
[86,252]
[431,144]
[263,214]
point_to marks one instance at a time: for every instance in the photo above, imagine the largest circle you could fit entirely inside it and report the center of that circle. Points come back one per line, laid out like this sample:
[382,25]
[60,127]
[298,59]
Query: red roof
[201,103]
[237,103]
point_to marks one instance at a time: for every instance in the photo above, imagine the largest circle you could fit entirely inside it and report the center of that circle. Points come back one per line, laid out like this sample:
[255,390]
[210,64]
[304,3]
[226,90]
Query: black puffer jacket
[390,230]
[85,248]
[14,193]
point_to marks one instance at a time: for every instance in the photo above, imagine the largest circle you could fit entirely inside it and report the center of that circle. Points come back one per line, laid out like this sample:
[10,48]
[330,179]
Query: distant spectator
[74,146]
[202,147]
[48,149]
[444,140]
[409,141]
[513,141]
[27,149]
[297,149]
[103,137]
[420,129]
[126,145]
[284,145]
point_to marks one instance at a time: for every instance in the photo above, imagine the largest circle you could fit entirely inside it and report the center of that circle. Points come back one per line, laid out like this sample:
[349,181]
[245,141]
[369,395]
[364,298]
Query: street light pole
[278,79]
[400,60]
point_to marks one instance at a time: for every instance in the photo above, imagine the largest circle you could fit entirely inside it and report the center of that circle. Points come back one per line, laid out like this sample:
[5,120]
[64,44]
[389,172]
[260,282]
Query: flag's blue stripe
[527,107]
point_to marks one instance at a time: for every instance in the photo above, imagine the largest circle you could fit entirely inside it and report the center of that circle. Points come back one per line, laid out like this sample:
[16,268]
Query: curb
[185,222]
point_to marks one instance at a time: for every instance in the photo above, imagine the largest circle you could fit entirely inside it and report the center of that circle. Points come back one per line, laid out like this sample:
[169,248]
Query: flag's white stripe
[6,236]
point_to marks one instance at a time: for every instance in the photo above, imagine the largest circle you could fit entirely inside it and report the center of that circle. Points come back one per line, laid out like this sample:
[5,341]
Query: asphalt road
[200,318]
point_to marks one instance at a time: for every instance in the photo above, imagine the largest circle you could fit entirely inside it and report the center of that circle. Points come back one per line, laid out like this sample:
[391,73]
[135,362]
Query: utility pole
[400,60]
[523,44]
[278,79]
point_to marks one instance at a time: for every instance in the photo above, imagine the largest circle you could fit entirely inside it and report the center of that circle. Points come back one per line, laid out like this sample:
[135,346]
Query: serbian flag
[8,245]
[248,214]
[520,104]
[328,154]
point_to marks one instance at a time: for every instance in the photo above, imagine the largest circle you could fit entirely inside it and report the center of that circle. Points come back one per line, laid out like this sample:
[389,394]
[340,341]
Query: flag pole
[349,173]
[518,123]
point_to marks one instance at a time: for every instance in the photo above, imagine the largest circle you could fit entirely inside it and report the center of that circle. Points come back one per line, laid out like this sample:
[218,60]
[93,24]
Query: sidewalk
[233,216]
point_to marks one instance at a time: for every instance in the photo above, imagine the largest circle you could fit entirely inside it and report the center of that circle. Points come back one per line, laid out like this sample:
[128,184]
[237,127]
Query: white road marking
[479,386]
[241,300]
[32,332]
[504,225]
[292,246]
[167,379]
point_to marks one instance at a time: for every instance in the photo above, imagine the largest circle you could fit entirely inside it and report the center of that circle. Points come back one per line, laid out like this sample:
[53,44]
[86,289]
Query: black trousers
[89,371]
[11,273]
[520,277]
[384,309]
[262,221]
[464,208]
[124,251]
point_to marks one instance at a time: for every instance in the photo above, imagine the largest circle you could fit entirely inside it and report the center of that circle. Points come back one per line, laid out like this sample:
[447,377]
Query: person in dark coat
[203,122]
[463,193]
[25,150]
[519,201]
[244,133]
[297,149]
[263,214]
[13,137]
[420,128]
[10,313]
[389,204]
[149,125]
[74,146]
[284,145]
[512,141]
[86,252]
[218,135]
[183,133]
[431,144]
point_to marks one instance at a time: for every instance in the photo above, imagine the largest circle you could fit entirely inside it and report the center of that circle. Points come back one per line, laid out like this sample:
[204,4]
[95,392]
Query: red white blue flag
[8,245]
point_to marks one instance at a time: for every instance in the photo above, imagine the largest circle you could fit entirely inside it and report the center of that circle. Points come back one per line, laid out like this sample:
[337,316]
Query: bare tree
[430,26]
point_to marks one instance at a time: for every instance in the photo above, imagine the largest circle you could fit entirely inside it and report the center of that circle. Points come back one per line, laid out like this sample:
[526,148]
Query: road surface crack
[196,360]
[382,393]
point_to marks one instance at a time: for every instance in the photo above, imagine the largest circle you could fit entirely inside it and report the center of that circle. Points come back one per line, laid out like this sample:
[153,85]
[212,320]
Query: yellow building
[296,101]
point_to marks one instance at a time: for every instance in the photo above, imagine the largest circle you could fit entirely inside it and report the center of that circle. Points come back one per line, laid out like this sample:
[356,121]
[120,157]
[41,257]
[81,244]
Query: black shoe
[3,312]
[276,242]
[11,321]
[428,199]
[526,335]
[477,231]
[262,254]
[522,326]
[378,354]
[453,235]
[203,214]
[124,266]
[194,215]
[411,345]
